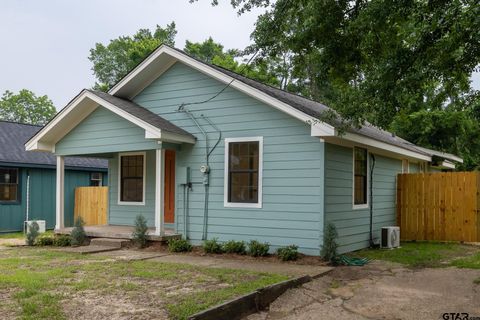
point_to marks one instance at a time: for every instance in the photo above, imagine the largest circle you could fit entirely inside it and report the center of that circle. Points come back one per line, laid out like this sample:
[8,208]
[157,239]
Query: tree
[26,107]
[206,50]
[113,61]
[384,61]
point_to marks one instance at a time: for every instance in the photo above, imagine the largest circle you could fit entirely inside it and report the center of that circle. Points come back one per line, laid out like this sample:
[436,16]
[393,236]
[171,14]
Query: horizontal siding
[353,226]
[103,132]
[293,163]
[42,198]
[125,214]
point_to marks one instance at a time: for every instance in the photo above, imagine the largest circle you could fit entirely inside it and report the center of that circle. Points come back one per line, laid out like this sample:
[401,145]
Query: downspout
[27,202]
[372,167]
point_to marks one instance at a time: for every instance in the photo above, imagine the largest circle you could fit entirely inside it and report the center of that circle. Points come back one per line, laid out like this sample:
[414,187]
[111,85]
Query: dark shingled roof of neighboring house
[12,149]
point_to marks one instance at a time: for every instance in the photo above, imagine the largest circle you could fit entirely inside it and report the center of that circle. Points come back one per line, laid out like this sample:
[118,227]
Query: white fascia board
[34,143]
[318,128]
[446,165]
[356,138]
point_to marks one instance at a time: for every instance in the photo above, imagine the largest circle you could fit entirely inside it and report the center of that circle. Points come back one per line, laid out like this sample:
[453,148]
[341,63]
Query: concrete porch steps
[109,242]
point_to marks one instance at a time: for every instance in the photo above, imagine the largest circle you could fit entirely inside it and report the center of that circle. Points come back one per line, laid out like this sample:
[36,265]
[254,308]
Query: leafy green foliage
[32,233]
[113,61]
[329,248]
[288,253]
[78,234]
[62,240]
[45,240]
[212,246]
[233,246]
[179,245]
[258,249]
[381,61]
[140,233]
[26,107]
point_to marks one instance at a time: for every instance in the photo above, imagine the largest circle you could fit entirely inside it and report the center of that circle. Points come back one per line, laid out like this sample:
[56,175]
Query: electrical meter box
[183,175]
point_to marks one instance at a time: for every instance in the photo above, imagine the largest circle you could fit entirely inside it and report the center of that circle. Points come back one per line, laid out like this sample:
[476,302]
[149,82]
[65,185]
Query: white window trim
[120,155]
[366,205]
[228,204]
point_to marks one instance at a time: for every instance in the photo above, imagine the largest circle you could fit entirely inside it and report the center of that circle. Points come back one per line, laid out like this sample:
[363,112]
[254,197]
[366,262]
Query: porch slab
[120,232]
[88,249]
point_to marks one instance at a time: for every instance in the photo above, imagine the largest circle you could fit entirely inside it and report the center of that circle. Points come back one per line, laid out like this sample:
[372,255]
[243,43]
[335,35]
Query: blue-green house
[206,153]
[27,179]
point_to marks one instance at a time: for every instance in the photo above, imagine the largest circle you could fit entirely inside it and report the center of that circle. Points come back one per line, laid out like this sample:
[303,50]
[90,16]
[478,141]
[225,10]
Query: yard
[422,280]
[40,283]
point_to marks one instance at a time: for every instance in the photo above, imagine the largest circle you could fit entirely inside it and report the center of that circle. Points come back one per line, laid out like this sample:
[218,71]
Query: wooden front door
[169,200]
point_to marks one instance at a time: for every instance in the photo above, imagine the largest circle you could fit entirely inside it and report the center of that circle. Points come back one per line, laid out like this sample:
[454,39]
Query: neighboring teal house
[27,179]
[206,153]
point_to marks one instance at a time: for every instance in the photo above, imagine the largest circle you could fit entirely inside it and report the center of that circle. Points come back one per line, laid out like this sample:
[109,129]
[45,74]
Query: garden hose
[352,261]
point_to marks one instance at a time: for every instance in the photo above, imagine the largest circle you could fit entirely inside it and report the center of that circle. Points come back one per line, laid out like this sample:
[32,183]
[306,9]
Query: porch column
[159,189]
[60,185]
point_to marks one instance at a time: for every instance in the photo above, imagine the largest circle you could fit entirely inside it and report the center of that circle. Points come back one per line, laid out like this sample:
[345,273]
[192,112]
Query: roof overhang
[77,110]
[164,57]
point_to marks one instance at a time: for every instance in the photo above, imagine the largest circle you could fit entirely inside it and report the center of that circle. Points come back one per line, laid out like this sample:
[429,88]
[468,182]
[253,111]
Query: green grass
[15,235]
[43,280]
[425,254]
[471,262]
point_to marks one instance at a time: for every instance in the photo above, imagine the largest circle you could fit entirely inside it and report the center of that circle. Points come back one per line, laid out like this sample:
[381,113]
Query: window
[8,184]
[132,178]
[360,164]
[96,179]
[243,172]
[405,166]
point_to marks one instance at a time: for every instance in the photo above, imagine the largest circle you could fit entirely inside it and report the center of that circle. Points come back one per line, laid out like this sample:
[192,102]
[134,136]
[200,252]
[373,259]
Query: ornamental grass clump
[258,249]
[140,234]
[78,235]
[212,246]
[233,246]
[32,233]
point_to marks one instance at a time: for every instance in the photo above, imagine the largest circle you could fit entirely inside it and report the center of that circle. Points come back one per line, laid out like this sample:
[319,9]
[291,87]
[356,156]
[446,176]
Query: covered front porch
[140,148]
[121,232]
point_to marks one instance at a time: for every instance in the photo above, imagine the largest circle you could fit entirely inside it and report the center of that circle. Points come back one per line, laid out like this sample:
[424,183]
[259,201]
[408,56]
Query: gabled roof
[12,150]
[301,108]
[86,102]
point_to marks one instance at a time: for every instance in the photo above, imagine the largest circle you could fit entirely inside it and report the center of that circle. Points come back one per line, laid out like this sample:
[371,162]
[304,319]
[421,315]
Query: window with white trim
[243,172]
[96,179]
[360,177]
[132,178]
[8,184]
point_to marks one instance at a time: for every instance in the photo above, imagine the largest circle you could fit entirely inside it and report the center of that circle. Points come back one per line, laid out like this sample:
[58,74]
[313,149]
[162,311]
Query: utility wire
[181,107]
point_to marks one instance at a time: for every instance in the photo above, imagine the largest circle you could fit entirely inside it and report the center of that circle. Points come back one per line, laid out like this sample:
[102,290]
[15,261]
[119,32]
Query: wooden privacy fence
[439,206]
[91,204]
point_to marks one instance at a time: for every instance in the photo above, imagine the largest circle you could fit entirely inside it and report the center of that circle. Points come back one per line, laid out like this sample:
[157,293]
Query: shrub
[78,235]
[32,233]
[45,240]
[329,248]
[62,240]
[258,249]
[233,246]
[288,253]
[212,246]
[179,245]
[140,234]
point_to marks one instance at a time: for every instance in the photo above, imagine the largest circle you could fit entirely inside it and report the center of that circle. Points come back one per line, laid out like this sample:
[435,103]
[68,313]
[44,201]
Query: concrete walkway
[289,269]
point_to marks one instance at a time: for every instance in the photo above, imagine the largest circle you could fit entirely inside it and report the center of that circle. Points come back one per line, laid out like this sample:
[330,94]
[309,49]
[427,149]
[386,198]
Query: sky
[45,44]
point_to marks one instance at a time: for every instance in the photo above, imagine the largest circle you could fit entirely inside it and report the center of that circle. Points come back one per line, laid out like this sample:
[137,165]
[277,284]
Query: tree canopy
[113,61]
[26,107]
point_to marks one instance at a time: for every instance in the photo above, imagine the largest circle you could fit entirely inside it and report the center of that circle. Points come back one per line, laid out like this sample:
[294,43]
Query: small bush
[258,249]
[32,233]
[78,235]
[140,234]
[212,246]
[179,245]
[45,240]
[62,240]
[288,253]
[233,246]
[329,248]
